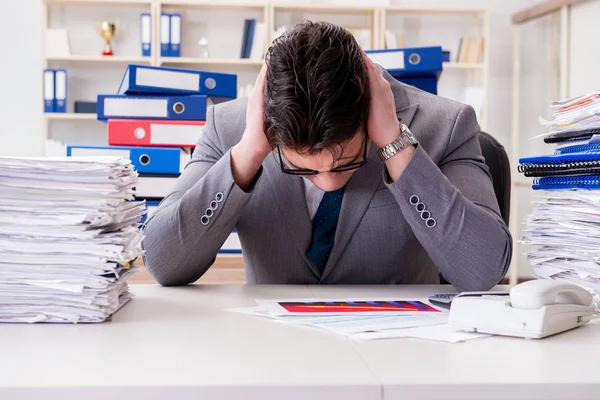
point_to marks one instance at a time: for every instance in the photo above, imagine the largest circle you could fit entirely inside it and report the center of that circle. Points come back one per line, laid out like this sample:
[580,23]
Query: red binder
[143,132]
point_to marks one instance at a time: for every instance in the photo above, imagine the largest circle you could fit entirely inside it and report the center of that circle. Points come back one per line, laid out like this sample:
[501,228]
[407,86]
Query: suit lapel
[363,184]
[289,192]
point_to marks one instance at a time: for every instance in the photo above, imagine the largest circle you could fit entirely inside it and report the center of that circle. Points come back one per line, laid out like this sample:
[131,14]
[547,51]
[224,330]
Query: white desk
[178,343]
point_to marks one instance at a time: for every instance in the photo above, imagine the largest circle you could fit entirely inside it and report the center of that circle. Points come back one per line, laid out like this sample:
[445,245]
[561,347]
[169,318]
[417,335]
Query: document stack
[565,225]
[68,234]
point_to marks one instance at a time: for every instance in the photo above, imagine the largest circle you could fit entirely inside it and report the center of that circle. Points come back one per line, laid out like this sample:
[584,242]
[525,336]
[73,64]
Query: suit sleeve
[453,211]
[184,235]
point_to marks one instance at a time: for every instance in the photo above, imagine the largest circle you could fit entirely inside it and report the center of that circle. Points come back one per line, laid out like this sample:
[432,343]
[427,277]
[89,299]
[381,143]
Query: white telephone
[532,309]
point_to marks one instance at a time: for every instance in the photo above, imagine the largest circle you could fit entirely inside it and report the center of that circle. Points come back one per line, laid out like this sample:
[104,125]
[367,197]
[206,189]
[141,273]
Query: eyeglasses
[340,168]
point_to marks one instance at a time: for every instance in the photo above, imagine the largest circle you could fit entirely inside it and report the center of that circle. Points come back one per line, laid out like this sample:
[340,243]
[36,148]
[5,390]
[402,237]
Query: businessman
[334,173]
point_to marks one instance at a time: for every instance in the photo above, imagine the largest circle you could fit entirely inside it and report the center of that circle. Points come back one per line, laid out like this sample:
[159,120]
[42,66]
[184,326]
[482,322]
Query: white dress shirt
[313,197]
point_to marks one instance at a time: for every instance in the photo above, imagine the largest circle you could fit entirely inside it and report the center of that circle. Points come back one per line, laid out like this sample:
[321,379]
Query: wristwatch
[405,139]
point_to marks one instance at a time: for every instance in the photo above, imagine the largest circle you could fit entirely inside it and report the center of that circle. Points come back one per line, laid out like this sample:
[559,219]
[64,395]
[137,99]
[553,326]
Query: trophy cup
[108,31]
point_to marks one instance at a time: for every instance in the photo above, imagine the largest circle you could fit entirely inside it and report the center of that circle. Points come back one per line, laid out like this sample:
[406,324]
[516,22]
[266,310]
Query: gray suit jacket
[380,239]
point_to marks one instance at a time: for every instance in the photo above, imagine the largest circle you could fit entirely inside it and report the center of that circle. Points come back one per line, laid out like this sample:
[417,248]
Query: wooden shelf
[241,5]
[102,59]
[456,65]
[99,2]
[211,61]
[323,8]
[432,10]
[71,116]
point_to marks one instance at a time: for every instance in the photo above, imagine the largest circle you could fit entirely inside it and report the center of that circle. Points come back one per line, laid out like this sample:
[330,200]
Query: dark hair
[317,89]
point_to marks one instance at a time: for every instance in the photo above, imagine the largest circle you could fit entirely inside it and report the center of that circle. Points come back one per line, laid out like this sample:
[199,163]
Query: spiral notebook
[582,163]
[567,182]
[572,135]
[583,148]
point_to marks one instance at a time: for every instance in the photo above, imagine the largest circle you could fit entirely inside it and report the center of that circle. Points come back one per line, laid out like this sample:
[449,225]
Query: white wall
[20,78]
[584,58]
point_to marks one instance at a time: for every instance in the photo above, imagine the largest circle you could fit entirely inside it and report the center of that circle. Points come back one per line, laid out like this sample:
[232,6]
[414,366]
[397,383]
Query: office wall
[20,78]
[584,58]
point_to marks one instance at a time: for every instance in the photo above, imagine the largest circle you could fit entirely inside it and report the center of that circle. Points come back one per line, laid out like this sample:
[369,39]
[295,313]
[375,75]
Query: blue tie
[324,224]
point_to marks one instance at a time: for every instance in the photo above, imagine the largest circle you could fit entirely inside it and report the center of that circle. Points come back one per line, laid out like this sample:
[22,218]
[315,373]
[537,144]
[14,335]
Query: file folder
[60,90]
[414,61]
[114,106]
[155,186]
[49,99]
[146,34]
[145,79]
[146,160]
[418,66]
[134,132]
[165,34]
[175,39]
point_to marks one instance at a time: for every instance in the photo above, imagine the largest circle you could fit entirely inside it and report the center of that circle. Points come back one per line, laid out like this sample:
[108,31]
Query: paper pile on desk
[67,236]
[364,319]
[564,228]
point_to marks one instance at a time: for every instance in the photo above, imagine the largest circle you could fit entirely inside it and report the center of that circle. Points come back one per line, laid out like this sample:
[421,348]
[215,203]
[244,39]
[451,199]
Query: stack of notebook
[564,227]
[68,233]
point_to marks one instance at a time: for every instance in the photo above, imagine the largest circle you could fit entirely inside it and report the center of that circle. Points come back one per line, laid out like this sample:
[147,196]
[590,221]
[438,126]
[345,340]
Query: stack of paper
[564,228]
[68,234]
[364,319]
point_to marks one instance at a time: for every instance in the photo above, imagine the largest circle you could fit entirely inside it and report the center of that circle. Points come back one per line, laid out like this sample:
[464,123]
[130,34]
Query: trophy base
[107,53]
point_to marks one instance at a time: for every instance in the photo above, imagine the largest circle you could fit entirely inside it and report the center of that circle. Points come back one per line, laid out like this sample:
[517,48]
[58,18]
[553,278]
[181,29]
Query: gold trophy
[108,31]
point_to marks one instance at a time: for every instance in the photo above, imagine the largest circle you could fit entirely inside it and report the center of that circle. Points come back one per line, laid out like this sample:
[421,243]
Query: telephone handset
[532,309]
[535,294]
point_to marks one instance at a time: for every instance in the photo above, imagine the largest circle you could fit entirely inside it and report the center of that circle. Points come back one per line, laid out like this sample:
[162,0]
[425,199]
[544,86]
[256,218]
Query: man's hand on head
[383,125]
[247,156]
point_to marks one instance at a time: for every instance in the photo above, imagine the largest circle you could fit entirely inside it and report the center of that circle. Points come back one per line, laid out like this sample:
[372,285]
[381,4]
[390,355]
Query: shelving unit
[374,18]
[102,59]
[480,22]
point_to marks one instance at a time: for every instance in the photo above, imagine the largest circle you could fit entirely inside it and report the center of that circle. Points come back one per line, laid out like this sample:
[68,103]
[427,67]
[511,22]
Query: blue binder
[175,36]
[145,79]
[49,91]
[567,182]
[184,108]
[417,66]
[583,148]
[146,34]
[146,160]
[583,163]
[165,35]
[60,90]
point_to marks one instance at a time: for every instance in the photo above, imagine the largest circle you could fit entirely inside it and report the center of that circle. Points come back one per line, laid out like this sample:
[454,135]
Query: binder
[60,90]
[175,40]
[412,61]
[182,108]
[146,34]
[151,207]
[146,160]
[232,244]
[145,79]
[560,164]
[243,50]
[567,182]
[134,132]
[155,186]
[572,135]
[49,99]
[584,148]
[165,35]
